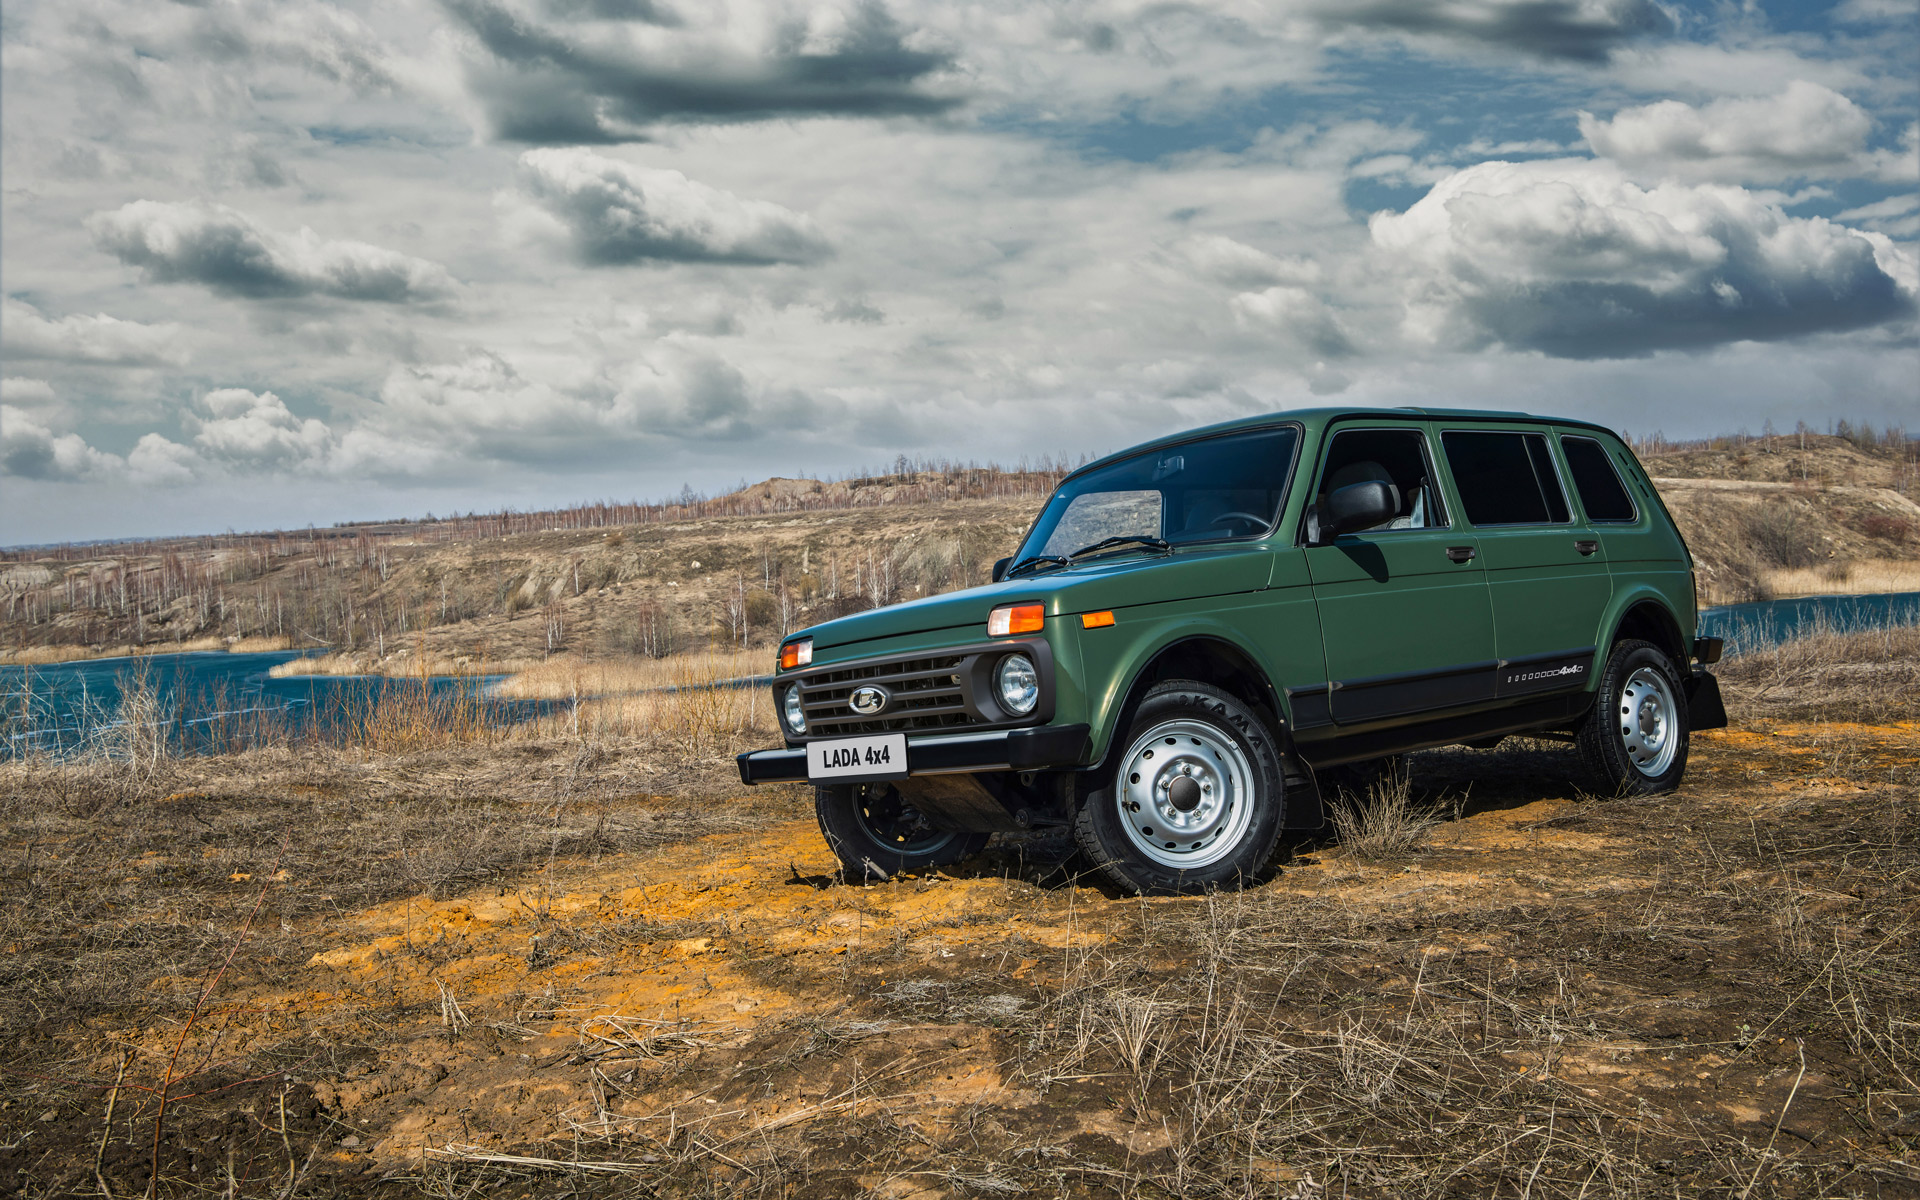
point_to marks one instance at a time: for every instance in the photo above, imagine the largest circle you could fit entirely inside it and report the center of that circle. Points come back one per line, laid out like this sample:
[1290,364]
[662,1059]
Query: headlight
[1017,683]
[790,708]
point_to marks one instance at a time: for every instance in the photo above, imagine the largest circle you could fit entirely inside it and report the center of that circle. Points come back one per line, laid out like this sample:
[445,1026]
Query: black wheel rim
[894,824]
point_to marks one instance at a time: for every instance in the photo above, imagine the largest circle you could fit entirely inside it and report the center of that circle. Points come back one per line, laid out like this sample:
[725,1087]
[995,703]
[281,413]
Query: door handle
[1461,554]
[1587,546]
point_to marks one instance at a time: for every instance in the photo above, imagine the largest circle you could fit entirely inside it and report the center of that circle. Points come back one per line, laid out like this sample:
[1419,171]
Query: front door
[1546,568]
[1404,611]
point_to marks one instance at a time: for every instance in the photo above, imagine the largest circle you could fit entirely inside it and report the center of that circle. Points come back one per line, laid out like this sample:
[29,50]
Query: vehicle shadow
[1452,783]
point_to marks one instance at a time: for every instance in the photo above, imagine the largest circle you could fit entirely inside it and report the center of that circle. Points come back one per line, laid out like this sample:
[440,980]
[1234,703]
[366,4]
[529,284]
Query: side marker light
[1099,620]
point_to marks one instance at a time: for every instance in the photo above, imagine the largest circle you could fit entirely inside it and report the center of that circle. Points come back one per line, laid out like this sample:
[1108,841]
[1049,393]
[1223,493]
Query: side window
[1398,456]
[1601,492]
[1505,478]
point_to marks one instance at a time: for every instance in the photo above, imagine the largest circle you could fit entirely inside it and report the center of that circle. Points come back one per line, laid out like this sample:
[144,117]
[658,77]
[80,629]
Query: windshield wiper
[1037,560]
[1128,539]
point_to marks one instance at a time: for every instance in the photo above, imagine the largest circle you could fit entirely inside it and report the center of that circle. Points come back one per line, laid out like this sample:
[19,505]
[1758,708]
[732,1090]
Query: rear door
[1404,610]
[1546,568]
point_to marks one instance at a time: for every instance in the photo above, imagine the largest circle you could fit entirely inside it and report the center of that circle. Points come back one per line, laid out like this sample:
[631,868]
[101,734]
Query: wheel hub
[1647,716]
[1185,794]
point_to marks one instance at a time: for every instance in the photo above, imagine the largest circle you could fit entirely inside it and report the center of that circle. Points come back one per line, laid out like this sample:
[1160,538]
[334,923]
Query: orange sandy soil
[1707,994]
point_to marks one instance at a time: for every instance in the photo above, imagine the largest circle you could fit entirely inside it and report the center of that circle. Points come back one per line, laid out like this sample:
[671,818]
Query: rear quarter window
[1601,492]
[1505,478]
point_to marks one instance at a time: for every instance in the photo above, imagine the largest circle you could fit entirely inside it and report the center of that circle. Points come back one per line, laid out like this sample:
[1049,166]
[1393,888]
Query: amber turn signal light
[1099,620]
[1015,618]
[796,654]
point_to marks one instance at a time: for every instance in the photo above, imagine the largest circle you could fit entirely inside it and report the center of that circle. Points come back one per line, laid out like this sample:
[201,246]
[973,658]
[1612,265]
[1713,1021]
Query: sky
[271,263]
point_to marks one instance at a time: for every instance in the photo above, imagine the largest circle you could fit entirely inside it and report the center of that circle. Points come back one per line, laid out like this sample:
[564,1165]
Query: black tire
[877,835]
[1634,741]
[1234,796]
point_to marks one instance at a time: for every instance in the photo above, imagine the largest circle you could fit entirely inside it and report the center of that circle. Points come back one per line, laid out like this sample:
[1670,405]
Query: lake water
[214,701]
[1770,622]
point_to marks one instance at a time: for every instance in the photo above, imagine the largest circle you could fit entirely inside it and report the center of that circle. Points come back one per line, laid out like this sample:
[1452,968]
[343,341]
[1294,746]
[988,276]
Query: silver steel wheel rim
[1145,793]
[1649,722]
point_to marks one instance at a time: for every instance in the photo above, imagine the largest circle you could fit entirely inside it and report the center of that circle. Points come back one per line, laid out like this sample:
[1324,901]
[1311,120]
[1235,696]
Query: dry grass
[1873,675]
[33,656]
[569,677]
[688,704]
[1847,578]
[1388,821]
[399,665]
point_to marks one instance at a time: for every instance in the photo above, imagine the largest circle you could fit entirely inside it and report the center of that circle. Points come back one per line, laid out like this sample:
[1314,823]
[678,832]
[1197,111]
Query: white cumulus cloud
[1806,130]
[30,450]
[160,461]
[31,334]
[213,245]
[1572,258]
[255,430]
[614,213]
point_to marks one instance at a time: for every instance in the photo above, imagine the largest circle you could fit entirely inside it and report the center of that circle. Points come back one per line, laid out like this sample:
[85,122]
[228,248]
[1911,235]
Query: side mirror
[1000,569]
[1349,509]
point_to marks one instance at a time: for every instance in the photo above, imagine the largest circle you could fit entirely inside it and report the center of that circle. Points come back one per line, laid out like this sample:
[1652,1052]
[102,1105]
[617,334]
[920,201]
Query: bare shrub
[1783,535]
[1386,821]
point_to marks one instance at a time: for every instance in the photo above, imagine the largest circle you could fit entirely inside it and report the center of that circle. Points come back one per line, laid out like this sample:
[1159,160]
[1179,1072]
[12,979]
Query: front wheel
[1195,801]
[876,835]
[1634,742]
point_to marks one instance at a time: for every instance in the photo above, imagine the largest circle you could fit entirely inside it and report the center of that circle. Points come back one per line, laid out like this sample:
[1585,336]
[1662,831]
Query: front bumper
[1029,749]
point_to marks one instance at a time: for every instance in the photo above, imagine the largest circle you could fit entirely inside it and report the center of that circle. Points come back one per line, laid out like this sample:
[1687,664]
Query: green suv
[1195,630]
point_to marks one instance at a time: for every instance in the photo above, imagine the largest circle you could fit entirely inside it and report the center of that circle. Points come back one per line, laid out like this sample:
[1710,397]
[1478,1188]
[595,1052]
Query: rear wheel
[1635,740]
[876,835]
[1195,800]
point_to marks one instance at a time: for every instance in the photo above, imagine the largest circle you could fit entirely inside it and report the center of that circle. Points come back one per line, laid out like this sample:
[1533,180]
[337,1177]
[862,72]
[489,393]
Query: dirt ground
[618,993]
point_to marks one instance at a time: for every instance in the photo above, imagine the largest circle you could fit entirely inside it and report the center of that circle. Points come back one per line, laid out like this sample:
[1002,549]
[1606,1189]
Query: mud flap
[1704,709]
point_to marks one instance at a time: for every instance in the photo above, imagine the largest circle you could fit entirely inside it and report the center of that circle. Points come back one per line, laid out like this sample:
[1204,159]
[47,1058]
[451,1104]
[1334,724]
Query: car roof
[1326,415]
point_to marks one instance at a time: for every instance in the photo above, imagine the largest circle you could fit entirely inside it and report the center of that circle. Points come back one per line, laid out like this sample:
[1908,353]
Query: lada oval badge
[868,700]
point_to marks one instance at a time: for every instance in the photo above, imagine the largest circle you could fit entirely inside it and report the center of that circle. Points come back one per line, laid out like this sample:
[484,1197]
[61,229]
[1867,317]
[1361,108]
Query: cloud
[29,450]
[1580,30]
[1896,216]
[1874,12]
[541,84]
[1221,259]
[157,460]
[1571,258]
[29,334]
[222,249]
[616,214]
[1296,315]
[1806,130]
[256,430]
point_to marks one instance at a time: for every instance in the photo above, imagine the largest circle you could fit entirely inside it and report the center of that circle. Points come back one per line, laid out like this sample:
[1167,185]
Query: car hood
[1119,581]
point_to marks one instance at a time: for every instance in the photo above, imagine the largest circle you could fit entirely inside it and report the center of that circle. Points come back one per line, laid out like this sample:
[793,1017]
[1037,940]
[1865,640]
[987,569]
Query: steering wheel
[1254,520]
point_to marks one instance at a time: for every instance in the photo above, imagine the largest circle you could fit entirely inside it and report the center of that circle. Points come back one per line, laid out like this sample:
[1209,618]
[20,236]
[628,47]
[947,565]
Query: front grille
[927,693]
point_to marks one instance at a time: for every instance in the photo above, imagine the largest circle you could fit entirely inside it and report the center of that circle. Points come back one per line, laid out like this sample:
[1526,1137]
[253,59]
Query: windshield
[1219,487]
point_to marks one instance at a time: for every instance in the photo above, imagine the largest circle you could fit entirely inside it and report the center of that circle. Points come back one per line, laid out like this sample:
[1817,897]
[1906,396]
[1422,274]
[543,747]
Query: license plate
[883,757]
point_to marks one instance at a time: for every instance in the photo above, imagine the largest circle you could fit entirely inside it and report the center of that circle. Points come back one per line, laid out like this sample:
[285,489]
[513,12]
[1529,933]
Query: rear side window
[1601,492]
[1505,478]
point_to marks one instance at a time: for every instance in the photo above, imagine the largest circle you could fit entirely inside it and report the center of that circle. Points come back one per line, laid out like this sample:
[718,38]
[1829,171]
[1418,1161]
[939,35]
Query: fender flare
[1197,634]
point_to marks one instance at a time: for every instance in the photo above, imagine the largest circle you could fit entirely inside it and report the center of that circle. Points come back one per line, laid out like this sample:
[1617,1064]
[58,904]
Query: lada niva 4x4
[1195,631]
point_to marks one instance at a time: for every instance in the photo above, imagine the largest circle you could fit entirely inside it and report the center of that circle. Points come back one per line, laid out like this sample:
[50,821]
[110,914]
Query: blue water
[1771,622]
[209,702]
